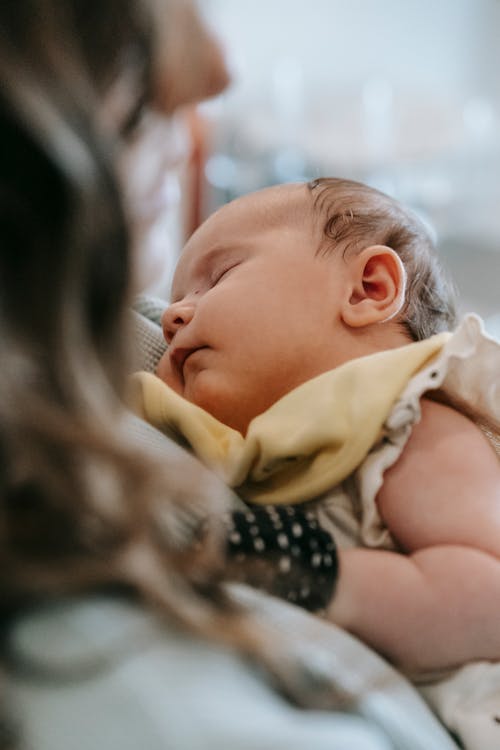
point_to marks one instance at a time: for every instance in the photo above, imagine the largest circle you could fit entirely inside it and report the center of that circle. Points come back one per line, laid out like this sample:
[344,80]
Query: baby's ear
[377,285]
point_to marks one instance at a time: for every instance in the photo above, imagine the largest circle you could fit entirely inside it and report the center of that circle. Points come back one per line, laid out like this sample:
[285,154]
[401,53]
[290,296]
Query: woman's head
[74,77]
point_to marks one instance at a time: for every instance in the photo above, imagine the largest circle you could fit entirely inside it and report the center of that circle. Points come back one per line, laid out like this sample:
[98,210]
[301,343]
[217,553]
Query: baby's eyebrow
[215,252]
[207,259]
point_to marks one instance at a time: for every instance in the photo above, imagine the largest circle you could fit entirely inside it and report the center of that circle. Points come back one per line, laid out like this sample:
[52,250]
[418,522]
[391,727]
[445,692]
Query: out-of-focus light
[479,118]
[492,325]
[377,117]
[289,165]
[221,171]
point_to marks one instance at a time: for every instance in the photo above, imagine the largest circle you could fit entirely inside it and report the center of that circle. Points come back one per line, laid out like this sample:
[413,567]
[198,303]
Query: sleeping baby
[310,362]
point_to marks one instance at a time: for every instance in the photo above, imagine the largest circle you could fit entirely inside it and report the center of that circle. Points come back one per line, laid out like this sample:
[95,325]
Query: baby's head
[291,281]
[355,216]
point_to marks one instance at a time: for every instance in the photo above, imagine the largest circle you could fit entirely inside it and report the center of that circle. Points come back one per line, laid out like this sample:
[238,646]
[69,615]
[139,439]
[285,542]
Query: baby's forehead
[276,205]
[245,218]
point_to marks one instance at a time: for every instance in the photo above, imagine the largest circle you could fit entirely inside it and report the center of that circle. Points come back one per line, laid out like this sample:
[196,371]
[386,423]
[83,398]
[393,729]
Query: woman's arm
[284,551]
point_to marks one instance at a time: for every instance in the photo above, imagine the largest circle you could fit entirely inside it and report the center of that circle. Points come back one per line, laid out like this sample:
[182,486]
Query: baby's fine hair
[357,216]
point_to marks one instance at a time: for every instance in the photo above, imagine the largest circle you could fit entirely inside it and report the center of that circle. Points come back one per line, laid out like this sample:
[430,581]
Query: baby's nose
[176,316]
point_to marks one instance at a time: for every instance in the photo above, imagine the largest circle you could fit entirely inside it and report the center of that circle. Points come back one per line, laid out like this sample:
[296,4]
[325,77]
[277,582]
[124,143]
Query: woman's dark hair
[82,504]
[64,275]
[356,216]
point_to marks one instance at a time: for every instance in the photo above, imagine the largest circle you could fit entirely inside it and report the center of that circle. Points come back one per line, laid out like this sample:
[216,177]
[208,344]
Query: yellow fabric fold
[308,441]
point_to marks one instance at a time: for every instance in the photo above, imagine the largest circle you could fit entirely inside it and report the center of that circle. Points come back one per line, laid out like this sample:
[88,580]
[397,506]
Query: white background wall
[404,94]
[438,43]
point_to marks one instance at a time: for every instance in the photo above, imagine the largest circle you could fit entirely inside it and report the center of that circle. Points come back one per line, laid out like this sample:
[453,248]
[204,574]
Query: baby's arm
[438,604]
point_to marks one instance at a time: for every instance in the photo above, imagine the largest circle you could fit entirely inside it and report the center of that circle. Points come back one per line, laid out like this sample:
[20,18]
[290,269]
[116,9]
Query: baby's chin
[224,411]
[215,400]
[234,406]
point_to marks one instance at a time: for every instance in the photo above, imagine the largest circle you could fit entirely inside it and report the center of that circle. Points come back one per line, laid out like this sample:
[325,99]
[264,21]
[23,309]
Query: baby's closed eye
[221,272]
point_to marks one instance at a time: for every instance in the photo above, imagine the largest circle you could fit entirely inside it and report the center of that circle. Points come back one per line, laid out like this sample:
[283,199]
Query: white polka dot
[250,517]
[304,592]
[235,537]
[254,530]
[277,524]
[297,529]
[295,550]
[316,560]
[283,541]
[259,544]
[313,544]
[327,559]
[284,564]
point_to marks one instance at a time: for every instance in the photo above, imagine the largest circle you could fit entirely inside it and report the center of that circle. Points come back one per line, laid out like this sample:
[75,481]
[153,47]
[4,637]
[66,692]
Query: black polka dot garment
[283,550]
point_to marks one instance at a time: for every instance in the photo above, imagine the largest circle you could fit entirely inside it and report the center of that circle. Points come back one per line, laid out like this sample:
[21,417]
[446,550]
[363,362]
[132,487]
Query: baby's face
[254,311]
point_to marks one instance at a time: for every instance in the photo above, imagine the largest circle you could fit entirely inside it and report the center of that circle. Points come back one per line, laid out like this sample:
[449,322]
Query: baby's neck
[361,342]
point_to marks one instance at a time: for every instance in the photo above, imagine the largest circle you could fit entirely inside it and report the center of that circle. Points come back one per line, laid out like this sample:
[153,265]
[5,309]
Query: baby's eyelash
[220,272]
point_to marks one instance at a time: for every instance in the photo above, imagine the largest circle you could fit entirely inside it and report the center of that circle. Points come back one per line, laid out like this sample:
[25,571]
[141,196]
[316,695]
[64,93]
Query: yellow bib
[305,443]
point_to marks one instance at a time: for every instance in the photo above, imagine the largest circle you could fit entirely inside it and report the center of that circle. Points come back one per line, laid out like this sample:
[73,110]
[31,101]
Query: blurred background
[402,95]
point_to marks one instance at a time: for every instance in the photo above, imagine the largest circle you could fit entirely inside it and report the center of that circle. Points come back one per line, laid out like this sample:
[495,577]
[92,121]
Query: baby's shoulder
[447,447]
[445,486]
[447,429]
